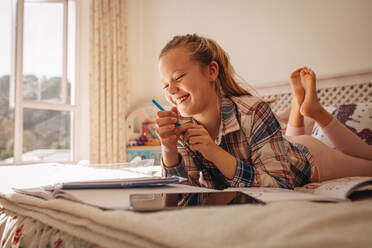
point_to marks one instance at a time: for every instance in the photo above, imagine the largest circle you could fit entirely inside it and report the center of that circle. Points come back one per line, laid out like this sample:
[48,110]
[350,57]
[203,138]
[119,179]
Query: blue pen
[162,109]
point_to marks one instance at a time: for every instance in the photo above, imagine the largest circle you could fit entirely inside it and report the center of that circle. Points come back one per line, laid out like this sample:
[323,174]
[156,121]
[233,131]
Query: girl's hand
[167,130]
[199,139]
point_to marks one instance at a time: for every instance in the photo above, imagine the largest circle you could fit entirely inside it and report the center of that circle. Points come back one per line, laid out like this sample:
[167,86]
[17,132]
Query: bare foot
[297,89]
[311,106]
[295,118]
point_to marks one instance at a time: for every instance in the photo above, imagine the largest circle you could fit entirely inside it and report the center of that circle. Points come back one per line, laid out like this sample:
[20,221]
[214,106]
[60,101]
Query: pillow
[356,117]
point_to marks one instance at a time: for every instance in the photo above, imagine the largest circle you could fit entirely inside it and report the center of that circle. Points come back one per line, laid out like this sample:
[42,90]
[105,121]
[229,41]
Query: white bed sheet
[278,224]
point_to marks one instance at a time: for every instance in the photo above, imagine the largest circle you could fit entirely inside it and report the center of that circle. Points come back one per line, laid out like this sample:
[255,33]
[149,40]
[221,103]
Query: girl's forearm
[170,158]
[224,161]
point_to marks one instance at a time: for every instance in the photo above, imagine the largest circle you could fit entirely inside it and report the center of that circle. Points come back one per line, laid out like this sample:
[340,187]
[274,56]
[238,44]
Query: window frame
[17,81]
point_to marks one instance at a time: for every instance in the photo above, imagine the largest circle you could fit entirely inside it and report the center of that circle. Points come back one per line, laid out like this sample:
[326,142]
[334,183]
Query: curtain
[109,86]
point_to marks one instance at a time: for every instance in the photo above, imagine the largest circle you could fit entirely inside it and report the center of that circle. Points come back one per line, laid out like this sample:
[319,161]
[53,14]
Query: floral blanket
[20,231]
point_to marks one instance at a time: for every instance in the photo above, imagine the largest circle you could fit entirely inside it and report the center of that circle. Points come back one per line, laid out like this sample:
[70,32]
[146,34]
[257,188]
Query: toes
[307,70]
[312,73]
[308,73]
[296,73]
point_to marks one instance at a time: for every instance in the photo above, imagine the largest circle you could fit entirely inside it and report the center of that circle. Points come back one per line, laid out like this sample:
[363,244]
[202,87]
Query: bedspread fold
[279,224]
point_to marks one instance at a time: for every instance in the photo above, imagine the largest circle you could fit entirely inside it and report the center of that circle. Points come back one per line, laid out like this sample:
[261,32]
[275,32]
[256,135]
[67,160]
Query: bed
[31,222]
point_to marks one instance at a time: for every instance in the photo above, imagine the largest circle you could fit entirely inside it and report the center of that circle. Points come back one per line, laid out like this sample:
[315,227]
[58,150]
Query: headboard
[335,90]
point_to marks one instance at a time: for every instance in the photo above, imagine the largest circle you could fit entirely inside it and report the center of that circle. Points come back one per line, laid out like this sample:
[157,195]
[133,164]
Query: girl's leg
[311,106]
[346,141]
[331,163]
[295,125]
[343,139]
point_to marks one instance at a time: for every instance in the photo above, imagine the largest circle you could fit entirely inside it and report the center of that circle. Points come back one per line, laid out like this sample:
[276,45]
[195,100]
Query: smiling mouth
[182,99]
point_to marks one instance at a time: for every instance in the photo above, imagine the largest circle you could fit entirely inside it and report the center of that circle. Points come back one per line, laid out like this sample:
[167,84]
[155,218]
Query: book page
[40,192]
[121,183]
[119,198]
[279,194]
[338,188]
[37,175]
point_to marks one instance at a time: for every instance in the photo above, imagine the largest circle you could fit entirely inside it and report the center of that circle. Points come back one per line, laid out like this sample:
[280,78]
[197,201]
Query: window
[37,81]
[6,89]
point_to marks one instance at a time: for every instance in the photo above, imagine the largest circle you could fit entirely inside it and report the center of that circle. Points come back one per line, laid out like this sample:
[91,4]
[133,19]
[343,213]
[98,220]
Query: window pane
[6,84]
[46,135]
[71,52]
[42,51]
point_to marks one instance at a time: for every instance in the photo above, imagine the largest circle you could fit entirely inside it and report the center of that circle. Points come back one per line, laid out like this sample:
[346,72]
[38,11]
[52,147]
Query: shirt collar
[229,121]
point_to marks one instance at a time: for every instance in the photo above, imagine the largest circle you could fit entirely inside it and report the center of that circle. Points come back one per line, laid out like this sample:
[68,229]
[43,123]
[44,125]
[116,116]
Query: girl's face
[187,85]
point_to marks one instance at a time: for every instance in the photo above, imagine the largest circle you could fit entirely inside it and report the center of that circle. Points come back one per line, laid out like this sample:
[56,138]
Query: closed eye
[179,78]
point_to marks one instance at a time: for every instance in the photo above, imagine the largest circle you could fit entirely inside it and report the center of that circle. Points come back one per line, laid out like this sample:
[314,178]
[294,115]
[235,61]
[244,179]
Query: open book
[118,198]
[336,190]
[105,193]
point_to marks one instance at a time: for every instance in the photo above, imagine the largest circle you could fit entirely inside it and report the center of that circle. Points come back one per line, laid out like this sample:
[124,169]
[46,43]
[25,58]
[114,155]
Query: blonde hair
[204,51]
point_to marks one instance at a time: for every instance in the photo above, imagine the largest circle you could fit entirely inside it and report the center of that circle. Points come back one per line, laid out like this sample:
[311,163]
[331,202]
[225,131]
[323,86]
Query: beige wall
[266,39]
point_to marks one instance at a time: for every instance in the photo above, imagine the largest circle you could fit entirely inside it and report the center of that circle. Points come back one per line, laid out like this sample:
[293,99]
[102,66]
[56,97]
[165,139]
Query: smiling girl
[230,138]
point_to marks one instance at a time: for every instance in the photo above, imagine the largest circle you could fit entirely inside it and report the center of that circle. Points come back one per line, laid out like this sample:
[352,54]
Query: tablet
[167,201]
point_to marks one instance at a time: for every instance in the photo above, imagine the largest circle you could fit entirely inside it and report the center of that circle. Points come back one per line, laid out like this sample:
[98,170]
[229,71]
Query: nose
[172,88]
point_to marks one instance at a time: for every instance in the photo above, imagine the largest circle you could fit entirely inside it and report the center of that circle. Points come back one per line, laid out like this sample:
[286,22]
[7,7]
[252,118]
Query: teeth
[181,99]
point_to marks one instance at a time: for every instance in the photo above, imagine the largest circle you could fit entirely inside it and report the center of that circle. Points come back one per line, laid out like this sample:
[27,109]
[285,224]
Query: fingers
[167,113]
[174,109]
[163,130]
[166,121]
[166,131]
[187,126]
[190,133]
[162,121]
[166,128]
[165,118]
[194,140]
[194,134]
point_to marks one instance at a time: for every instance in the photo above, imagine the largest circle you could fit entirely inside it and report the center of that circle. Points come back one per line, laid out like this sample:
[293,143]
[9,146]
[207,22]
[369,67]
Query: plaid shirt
[250,132]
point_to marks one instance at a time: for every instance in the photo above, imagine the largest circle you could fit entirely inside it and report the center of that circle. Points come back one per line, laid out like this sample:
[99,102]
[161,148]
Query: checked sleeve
[268,165]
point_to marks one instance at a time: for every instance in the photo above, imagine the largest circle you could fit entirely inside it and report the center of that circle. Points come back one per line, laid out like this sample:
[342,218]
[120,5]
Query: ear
[213,70]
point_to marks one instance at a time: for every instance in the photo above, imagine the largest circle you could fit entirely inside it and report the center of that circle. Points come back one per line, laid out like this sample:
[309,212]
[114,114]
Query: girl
[230,138]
